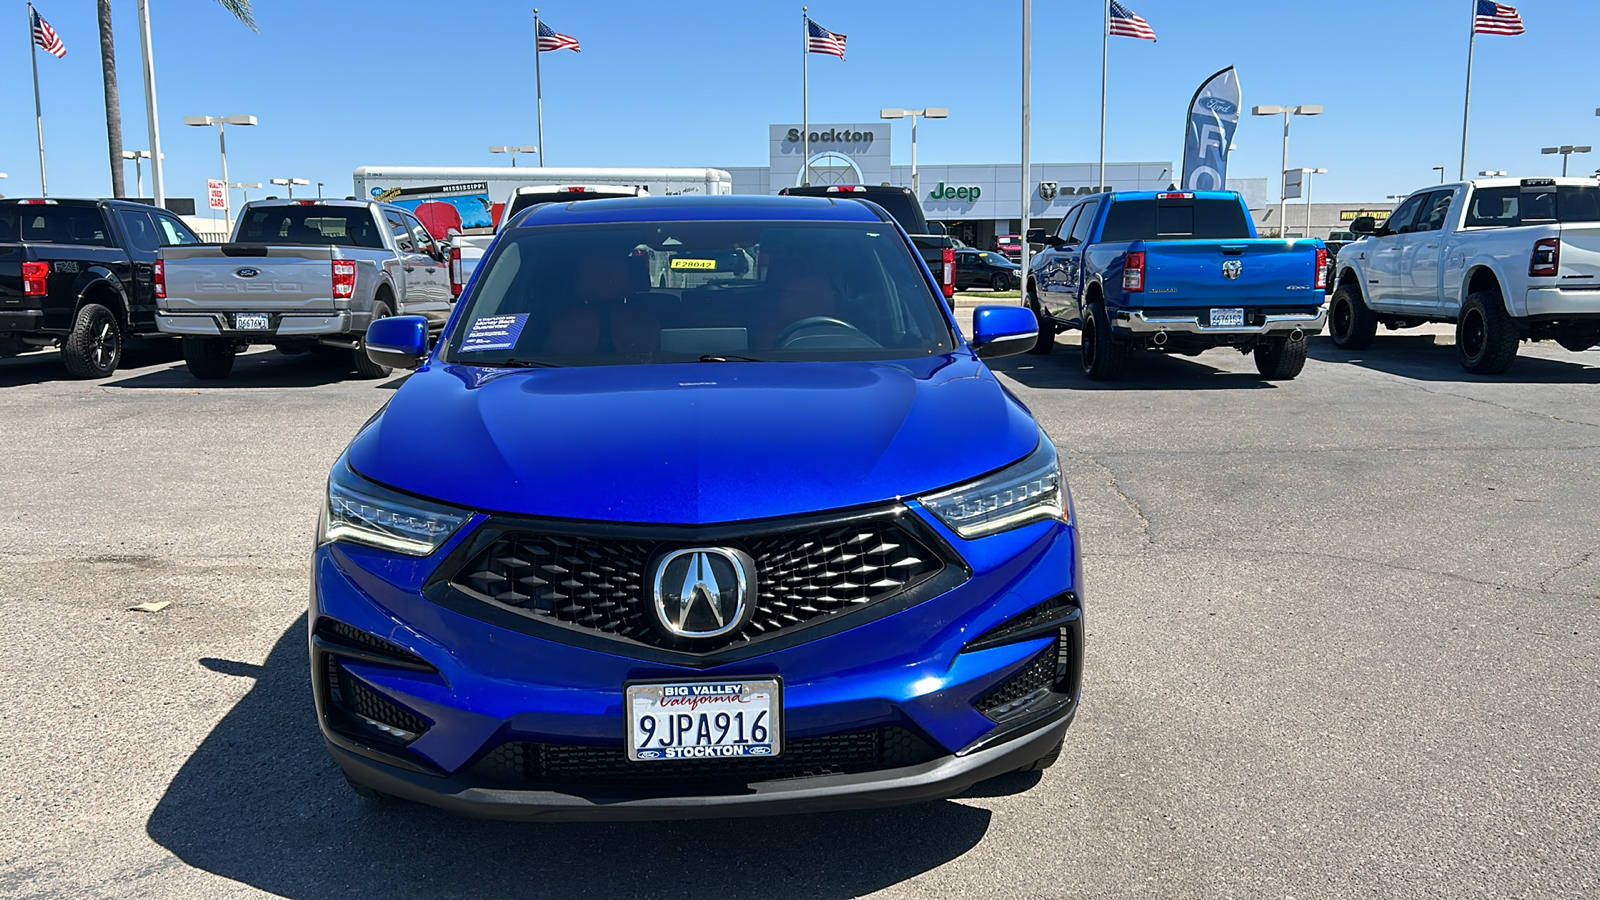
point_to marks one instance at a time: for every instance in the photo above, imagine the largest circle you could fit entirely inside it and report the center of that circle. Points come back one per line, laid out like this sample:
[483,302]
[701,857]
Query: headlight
[1029,491]
[362,512]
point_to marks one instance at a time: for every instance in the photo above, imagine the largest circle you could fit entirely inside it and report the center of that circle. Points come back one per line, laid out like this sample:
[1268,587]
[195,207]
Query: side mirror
[1364,225]
[400,342]
[1003,330]
[938,228]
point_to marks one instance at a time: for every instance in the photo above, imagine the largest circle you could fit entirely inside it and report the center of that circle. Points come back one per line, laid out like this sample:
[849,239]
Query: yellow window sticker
[694,264]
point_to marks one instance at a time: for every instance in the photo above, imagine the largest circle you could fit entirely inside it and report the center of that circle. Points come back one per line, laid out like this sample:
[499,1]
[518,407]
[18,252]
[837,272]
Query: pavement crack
[1513,409]
[1132,504]
[1562,570]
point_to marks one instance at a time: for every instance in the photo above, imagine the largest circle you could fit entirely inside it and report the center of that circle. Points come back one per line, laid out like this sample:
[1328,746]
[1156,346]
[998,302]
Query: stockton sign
[944,192]
[832,135]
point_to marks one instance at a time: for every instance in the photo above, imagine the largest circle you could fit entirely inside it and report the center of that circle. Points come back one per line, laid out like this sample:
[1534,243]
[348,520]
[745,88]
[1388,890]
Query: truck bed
[1201,273]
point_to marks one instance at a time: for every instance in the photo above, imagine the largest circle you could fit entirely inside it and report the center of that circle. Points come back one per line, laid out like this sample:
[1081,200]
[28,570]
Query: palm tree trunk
[108,69]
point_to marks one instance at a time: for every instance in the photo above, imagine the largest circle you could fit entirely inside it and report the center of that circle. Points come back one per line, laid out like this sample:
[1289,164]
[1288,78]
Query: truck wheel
[93,348]
[365,367]
[1350,323]
[1486,335]
[208,359]
[1103,355]
[1047,331]
[1280,359]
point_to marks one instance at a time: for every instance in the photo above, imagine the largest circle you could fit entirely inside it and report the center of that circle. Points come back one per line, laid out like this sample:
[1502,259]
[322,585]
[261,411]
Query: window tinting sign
[494,332]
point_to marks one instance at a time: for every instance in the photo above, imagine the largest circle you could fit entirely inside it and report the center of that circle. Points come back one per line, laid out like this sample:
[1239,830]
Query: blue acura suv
[700,507]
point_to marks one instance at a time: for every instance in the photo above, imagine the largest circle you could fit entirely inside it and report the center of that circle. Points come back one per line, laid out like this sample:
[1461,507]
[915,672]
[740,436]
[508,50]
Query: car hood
[695,442]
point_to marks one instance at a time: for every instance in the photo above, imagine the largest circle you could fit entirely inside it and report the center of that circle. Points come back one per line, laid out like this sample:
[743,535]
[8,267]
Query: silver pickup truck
[301,275]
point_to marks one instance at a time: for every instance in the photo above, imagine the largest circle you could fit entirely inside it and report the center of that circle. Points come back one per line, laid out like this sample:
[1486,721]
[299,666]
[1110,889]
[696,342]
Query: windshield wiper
[729,357]
[522,364]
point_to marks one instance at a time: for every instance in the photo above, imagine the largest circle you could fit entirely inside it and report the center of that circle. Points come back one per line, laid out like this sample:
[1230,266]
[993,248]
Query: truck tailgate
[247,277]
[1580,256]
[1254,272]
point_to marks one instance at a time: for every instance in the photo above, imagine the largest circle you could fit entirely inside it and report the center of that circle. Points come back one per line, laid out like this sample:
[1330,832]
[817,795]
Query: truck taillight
[1546,259]
[35,278]
[455,272]
[158,274]
[344,278]
[1175,195]
[1321,282]
[948,277]
[1133,272]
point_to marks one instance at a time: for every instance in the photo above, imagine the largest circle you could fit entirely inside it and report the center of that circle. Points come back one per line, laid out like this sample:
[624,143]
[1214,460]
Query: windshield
[1512,205]
[683,291]
[49,224]
[1150,220]
[340,226]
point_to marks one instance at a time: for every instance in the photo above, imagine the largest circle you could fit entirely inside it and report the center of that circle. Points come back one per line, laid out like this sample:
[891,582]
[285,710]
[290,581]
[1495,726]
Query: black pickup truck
[81,274]
[933,243]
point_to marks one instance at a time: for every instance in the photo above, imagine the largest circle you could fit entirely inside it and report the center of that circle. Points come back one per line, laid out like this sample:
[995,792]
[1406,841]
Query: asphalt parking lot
[1342,642]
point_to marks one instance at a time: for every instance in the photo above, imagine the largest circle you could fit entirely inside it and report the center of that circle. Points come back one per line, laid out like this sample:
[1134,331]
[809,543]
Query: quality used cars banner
[1213,116]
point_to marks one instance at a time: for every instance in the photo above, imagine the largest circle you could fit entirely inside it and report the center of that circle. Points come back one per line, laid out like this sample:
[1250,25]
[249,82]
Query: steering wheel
[787,334]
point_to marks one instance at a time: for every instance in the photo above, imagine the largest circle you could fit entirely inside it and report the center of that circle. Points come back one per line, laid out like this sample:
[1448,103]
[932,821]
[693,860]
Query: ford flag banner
[1213,116]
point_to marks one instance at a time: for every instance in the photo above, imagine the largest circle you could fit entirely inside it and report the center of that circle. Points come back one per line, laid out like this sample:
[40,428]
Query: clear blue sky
[340,83]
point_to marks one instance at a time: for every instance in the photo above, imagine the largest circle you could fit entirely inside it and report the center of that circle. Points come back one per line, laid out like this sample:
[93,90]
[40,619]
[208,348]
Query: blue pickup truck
[1176,272]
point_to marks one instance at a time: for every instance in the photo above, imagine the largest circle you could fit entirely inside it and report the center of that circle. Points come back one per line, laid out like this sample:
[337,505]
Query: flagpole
[1027,127]
[805,95]
[157,179]
[538,87]
[38,115]
[1466,103]
[1105,45]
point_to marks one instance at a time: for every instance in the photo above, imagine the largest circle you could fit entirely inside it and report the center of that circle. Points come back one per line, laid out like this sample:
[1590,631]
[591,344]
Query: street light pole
[931,112]
[1309,174]
[1283,177]
[222,145]
[1440,170]
[514,151]
[1566,151]
[244,187]
[138,173]
[289,183]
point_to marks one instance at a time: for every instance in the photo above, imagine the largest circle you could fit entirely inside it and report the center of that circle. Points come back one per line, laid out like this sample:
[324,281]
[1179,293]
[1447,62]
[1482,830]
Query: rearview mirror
[1364,225]
[400,342]
[1003,330]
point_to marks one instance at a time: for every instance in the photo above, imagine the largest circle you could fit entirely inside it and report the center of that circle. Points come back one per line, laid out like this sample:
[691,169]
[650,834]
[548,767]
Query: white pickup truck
[1504,259]
[301,275]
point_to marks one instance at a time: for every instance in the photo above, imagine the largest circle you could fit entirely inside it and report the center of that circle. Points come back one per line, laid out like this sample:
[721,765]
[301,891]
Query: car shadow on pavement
[260,802]
[1420,358]
[43,366]
[268,369]
[1144,371]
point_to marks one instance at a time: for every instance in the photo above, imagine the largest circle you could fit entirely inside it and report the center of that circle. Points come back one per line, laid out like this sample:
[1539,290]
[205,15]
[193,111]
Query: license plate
[1227,318]
[250,321]
[704,720]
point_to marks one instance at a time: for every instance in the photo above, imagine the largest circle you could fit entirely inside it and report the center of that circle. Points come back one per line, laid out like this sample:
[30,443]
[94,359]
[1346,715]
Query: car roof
[726,208]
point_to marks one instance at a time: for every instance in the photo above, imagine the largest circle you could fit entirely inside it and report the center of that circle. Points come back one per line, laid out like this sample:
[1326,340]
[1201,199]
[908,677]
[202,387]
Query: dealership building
[976,202]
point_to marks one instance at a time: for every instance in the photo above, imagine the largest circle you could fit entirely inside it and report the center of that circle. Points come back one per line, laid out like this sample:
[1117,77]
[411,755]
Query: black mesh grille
[1033,681]
[602,583]
[525,762]
[349,634]
[352,698]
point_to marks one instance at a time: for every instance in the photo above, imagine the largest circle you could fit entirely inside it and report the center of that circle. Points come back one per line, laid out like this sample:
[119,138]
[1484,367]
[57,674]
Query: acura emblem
[247,272]
[1232,268]
[703,592]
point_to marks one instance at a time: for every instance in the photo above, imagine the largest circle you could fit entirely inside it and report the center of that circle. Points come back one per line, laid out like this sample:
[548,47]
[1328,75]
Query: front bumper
[1144,324]
[936,780]
[476,685]
[279,325]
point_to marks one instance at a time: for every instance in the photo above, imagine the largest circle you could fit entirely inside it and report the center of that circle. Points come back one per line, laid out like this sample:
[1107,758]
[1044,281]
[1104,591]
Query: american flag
[46,37]
[1128,23]
[821,40]
[555,40]
[1496,18]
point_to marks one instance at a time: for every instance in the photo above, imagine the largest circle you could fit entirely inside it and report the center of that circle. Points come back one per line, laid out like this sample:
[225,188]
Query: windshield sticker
[694,263]
[494,332]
